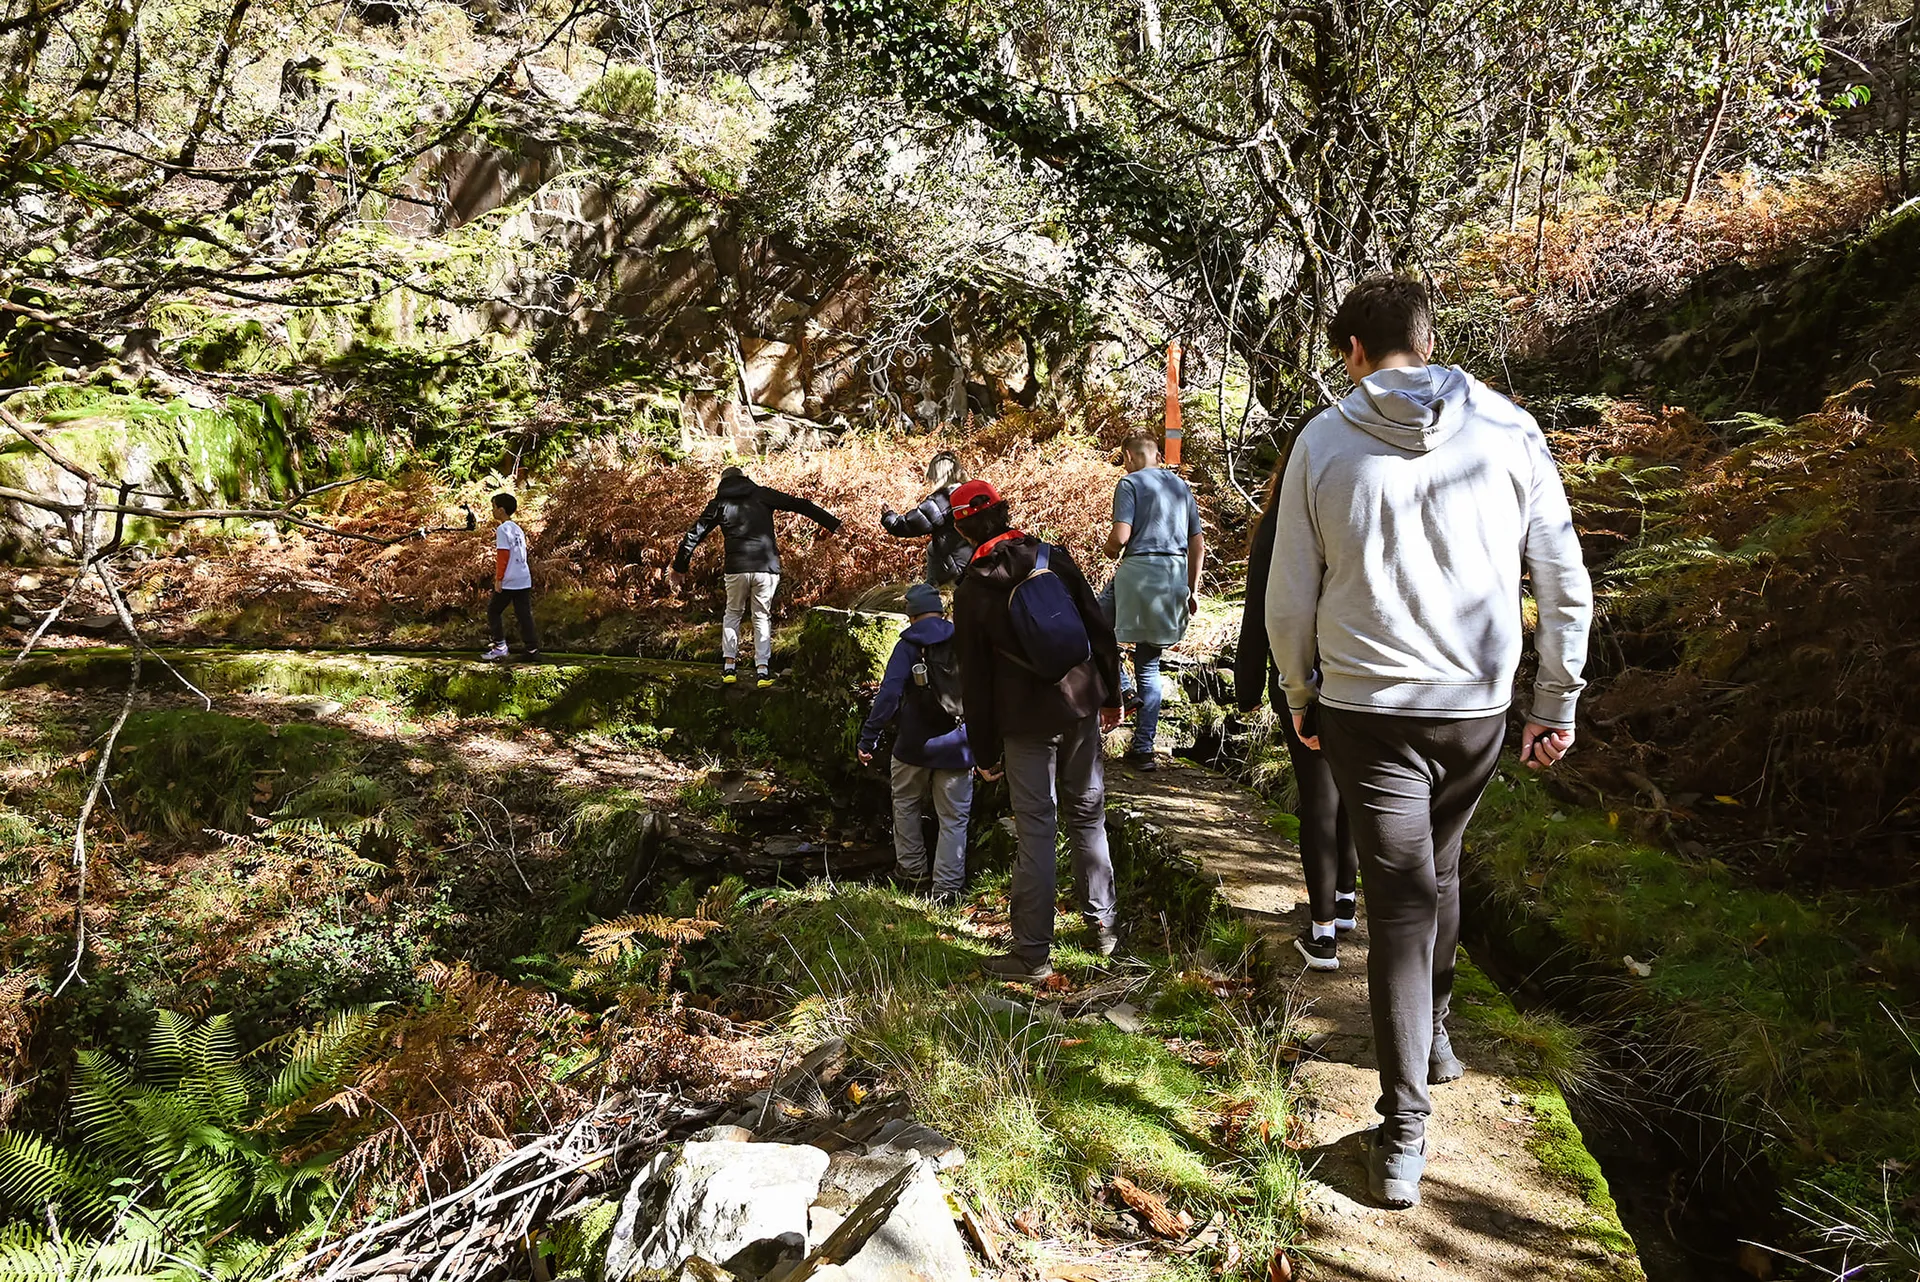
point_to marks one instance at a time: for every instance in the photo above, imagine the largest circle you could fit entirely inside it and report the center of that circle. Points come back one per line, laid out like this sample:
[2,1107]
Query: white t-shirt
[514,543]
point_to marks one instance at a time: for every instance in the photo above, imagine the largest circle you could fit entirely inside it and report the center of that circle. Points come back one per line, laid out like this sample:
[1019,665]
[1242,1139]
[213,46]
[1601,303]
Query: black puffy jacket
[948,550]
[744,512]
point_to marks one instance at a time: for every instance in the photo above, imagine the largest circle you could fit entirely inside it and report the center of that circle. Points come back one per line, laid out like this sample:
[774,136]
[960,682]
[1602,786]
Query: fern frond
[321,1057]
[203,1188]
[168,1048]
[717,904]
[33,1173]
[611,940]
[100,1104]
[29,1256]
[215,1075]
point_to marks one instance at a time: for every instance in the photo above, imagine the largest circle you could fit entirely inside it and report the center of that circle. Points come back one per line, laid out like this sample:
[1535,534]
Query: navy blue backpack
[1047,623]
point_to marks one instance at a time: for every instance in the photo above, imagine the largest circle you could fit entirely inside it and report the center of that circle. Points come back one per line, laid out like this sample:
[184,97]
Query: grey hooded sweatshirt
[1407,515]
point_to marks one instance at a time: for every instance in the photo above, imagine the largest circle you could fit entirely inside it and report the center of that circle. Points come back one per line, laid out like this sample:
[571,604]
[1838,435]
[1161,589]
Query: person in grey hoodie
[1409,512]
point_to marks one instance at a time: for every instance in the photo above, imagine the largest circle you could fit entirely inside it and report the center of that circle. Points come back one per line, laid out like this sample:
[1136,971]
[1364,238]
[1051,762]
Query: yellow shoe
[728,676]
[766,680]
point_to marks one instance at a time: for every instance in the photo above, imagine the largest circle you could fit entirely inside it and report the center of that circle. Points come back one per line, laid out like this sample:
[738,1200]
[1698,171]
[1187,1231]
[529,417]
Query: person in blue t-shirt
[1156,587]
[930,754]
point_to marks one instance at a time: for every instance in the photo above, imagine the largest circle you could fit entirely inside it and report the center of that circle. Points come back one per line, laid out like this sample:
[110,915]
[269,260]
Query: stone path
[1491,1210]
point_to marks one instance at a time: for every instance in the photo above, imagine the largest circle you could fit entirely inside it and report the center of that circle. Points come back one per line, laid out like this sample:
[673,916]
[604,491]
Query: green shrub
[626,93]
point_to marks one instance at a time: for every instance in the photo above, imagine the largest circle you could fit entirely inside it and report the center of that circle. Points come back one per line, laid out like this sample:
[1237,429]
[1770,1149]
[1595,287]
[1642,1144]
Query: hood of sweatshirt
[736,487]
[1414,409]
[929,631]
[1008,561]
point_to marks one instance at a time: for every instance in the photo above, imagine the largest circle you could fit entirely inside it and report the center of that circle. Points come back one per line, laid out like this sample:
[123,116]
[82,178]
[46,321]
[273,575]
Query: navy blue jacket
[947,551]
[915,741]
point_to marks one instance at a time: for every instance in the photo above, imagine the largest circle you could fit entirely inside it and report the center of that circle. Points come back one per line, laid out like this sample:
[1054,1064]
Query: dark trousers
[522,601]
[1327,852]
[1051,779]
[1410,784]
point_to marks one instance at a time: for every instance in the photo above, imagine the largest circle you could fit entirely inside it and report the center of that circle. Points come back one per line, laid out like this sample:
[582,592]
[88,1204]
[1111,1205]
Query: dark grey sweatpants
[1048,780]
[1409,784]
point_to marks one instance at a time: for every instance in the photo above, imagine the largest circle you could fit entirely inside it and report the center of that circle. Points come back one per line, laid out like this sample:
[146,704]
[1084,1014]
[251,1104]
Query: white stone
[714,1199]
[917,1243]
[915,1140]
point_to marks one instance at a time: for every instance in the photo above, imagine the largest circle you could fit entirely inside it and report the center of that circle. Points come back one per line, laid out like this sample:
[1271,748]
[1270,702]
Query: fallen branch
[459,1237]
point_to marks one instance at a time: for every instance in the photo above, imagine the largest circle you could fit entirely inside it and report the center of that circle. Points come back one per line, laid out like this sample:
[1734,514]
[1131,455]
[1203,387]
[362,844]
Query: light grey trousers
[952,793]
[1049,780]
[749,595]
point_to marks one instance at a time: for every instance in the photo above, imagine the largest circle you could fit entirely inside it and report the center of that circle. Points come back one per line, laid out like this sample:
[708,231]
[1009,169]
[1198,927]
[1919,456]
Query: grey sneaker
[1102,939]
[1393,1175]
[1443,1065]
[1012,966]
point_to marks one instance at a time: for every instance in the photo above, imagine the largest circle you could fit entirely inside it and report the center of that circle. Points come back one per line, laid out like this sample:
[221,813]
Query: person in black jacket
[948,550]
[1327,852]
[744,512]
[1043,736]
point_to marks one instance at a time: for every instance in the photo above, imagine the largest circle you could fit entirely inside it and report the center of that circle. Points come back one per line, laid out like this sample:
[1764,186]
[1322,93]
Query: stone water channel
[1684,1221]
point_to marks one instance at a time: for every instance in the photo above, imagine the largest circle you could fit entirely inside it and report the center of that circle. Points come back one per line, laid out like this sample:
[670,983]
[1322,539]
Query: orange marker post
[1174,431]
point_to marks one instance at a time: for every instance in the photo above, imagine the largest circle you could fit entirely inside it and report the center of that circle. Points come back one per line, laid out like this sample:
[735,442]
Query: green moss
[1787,997]
[576,1245]
[243,449]
[178,772]
[808,723]
[1556,1141]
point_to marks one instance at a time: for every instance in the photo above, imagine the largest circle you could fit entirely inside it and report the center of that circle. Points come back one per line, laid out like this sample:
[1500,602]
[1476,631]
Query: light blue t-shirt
[1161,509]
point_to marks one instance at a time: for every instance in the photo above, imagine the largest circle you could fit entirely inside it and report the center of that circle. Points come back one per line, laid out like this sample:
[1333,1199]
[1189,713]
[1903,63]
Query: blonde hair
[944,470]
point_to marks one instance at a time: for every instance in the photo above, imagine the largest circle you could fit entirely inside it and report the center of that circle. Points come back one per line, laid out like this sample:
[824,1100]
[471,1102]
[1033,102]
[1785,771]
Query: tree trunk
[1151,39]
[1540,202]
[1699,167]
[1519,166]
[215,97]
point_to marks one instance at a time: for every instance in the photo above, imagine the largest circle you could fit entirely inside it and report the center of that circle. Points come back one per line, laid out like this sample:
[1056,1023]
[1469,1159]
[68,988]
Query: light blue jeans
[1146,723]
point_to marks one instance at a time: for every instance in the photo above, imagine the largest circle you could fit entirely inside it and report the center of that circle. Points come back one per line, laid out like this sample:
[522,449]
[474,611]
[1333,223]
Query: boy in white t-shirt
[512,583]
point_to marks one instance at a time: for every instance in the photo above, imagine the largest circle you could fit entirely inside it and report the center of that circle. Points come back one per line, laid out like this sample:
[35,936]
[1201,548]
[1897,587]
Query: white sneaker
[495,652]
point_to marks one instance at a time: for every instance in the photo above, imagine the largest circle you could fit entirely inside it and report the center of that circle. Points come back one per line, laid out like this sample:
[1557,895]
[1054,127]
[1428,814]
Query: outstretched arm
[780,502]
[701,528]
[915,522]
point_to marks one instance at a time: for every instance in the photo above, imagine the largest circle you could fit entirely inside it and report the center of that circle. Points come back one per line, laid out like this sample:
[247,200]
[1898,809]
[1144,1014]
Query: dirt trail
[1492,1210]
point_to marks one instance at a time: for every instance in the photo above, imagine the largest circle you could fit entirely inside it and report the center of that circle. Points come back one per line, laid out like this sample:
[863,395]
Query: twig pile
[473,1233]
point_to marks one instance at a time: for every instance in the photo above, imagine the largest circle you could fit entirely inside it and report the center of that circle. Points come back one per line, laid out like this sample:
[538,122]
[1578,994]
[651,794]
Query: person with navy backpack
[920,697]
[1040,680]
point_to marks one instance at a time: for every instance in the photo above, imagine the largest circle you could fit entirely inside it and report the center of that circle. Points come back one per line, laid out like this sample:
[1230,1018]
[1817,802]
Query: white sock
[1323,930]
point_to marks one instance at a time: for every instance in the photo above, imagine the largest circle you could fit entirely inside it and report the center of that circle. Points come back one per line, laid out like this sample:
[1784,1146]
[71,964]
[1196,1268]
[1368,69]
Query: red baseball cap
[972,497]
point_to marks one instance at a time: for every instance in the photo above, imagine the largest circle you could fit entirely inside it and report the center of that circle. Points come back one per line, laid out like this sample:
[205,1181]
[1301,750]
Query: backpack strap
[1040,560]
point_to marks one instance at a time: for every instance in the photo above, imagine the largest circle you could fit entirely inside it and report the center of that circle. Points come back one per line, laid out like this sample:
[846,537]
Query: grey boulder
[718,1200]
